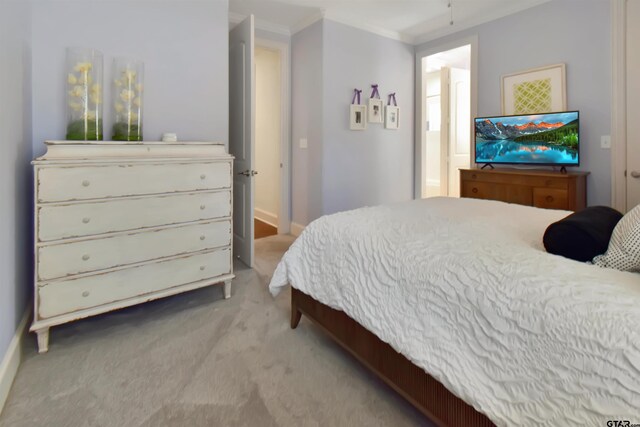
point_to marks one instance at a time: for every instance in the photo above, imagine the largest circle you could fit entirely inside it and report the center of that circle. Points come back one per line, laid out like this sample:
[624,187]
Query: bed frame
[419,388]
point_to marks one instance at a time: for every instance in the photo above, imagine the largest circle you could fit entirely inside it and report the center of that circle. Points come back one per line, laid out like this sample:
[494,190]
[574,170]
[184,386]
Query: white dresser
[121,224]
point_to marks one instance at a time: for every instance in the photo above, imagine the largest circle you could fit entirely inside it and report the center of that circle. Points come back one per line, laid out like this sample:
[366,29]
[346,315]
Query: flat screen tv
[531,139]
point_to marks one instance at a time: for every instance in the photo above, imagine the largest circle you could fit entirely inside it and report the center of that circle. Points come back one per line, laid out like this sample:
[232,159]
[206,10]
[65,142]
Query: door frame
[420,96]
[284,216]
[619,105]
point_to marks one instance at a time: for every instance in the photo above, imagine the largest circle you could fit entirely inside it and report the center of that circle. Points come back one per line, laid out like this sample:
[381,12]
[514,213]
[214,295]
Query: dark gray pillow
[582,235]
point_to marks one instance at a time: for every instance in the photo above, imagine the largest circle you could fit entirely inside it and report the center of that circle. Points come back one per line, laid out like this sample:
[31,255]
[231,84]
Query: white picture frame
[375,110]
[357,117]
[537,90]
[391,117]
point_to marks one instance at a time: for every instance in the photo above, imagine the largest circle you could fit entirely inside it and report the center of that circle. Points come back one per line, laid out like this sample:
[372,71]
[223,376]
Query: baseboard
[12,359]
[296,229]
[265,216]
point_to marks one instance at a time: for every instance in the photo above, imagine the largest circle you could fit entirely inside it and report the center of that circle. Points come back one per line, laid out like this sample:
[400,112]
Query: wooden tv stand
[542,189]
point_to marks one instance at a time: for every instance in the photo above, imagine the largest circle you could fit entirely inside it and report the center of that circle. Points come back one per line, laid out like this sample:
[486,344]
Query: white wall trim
[296,229]
[12,358]
[260,24]
[420,121]
[618,106]
[267,217]
[284,218]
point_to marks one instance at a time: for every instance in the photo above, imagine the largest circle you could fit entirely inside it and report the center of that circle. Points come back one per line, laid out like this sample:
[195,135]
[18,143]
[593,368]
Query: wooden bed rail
[423,391]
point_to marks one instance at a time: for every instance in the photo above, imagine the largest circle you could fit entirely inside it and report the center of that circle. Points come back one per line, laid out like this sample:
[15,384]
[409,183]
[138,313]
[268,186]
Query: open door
[242,135]
[633,105]
[460,127]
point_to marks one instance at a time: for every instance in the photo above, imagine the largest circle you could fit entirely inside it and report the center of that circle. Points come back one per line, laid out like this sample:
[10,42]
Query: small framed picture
[391,117]
[375,110]
[358,117]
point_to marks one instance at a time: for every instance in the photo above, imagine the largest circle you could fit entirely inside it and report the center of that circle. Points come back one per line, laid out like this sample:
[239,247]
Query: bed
[456,305]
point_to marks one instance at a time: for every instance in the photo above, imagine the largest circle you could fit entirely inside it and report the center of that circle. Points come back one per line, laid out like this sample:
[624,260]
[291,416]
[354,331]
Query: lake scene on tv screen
[540,138]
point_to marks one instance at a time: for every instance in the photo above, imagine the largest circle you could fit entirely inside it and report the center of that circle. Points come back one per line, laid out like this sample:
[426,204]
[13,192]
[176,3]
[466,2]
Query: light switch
[605,141]
[303,143]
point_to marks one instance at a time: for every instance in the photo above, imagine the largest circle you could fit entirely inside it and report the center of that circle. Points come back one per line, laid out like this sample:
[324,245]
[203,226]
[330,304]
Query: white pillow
[623,252]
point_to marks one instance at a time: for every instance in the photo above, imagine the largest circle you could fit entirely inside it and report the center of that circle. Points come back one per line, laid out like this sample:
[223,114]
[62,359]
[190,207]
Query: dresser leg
[227,289]
[43,340]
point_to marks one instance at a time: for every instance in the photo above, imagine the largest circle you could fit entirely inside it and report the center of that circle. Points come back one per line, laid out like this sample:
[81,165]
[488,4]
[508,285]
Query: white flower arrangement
[127,101]
[84,94]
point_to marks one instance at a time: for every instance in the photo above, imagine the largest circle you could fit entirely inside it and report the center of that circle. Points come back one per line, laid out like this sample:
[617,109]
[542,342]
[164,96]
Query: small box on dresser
[120,224]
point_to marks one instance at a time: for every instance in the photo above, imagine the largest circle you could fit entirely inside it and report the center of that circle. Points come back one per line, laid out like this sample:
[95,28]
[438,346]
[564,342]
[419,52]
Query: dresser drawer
[501,192]
[550,198]
[86,219]
[514,179]
[65,259]
[56,298]
[101,181]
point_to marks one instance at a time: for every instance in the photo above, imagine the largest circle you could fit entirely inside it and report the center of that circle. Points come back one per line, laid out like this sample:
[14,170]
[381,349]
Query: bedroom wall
[184,45]
[15,172]
[306,122]
[374,166]
[549,34]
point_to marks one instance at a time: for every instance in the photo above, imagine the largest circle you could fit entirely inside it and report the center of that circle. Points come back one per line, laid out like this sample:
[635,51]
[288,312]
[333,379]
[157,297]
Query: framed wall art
[358,117]
[391,117]
[376,106]
[375,110]
[538,90]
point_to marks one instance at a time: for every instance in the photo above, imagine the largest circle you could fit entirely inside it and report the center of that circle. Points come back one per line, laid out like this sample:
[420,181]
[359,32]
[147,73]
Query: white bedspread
[464,289]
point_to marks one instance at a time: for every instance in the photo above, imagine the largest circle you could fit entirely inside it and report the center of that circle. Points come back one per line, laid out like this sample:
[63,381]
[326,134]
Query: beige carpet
[199,360]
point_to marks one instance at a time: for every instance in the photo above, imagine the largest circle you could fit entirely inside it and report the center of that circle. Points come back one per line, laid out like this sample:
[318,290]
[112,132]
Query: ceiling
[459,57]
[412,21]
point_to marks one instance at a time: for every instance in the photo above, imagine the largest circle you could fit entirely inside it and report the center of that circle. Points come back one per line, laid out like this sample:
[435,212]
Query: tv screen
[532,139]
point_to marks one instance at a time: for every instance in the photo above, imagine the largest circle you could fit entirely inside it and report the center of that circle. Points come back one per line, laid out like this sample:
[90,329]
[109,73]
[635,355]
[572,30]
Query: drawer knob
[201,267]
[203,176]
[474,190]
[474,176]
[85,294]
[201,237]
[202,207]
[86,220]
[549,199]
[85,183]
[85,257]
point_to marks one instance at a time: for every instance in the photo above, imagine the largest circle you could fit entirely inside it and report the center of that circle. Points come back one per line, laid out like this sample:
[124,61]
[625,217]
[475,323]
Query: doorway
[625,128]
[446,103]
[266,210]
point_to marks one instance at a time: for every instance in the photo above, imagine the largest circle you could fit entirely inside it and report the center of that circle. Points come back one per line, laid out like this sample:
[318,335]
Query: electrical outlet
[303,143]
[605,141]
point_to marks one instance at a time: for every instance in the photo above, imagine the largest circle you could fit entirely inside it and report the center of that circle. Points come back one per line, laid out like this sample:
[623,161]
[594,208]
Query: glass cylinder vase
[128,80]
[84,94]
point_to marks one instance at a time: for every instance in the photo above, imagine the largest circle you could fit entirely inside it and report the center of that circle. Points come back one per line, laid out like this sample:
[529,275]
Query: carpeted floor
[199,360]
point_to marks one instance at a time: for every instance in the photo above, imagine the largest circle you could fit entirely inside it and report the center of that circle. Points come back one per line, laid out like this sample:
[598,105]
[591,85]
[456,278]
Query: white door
[444,129]
[633,104]
[460,126]
[242,135]
[431,185]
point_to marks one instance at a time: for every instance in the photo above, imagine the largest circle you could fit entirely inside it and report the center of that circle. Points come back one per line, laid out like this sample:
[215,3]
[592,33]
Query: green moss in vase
[126,132]
[81,130]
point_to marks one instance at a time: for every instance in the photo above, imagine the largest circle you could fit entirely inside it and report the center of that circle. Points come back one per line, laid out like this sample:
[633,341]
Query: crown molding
[515,7]
[236,18]
[356,23]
